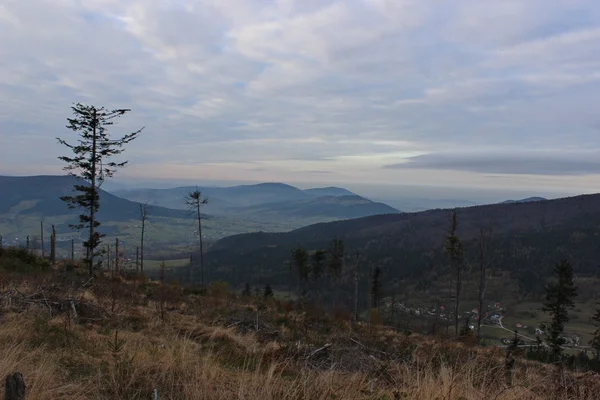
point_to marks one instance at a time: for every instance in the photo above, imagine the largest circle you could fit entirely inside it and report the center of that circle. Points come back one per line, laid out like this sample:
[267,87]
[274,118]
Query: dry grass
[195,354]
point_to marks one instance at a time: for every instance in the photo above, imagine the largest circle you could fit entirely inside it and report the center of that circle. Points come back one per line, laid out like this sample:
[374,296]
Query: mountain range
[267,202]
[40,195]
[25,201]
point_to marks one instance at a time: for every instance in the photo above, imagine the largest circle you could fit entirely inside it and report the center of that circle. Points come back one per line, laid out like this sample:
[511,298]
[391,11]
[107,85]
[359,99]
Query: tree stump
[14,388]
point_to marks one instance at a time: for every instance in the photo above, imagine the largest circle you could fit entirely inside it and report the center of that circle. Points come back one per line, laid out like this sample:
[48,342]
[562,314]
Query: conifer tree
[247,290]
[268,292]
[559,299]
[318,261]
[91,163]
[595,342]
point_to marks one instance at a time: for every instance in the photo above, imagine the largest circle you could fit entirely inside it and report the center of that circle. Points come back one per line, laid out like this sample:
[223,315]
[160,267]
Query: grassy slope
[208,348]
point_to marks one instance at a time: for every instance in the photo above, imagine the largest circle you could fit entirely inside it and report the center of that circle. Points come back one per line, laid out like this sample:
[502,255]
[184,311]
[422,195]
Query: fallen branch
[328,345]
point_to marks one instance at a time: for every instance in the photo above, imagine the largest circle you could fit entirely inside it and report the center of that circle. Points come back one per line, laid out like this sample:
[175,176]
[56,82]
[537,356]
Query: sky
[466,93]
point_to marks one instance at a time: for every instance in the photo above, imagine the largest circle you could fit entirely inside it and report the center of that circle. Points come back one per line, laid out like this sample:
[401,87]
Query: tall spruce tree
[90,163]
[595,342]
[559,299]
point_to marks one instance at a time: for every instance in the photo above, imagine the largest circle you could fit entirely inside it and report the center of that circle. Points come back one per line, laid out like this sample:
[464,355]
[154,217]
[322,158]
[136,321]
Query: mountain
[528,236]
[527,200]
[273,202]
[329,191]
[324,207]
[42,196]
[219,198]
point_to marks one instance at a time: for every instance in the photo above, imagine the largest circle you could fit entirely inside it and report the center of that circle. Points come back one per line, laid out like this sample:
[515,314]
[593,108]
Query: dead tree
[484,244]
[194,200]
[117,257]
[42,236]
[454,250]
[144,212]
[14,387]
[52,245]
[356,286]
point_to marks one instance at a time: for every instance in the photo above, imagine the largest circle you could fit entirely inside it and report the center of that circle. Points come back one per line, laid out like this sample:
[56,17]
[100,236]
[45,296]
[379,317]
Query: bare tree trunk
[162,292]
[108,257]
[14,387]
[457,303]
[394,306]
[356,287]
[437,317]
[117,257]
[27,245]
[201,248]
[370,299]
[52,245]
[72,250]
[143,217]
[42,237]
[484,249]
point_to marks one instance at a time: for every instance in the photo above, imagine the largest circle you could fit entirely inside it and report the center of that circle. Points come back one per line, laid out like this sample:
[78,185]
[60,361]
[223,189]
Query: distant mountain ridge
[268,201]
[527,200]
[39,195]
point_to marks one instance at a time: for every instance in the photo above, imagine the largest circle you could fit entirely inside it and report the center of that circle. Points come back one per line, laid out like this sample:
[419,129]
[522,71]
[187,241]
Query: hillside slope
[40,195]
[527,236]
[341,207]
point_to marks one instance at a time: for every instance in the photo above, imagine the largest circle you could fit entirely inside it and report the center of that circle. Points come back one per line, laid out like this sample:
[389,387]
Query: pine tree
[90,163]
[559,299]
[247,290]
[268,292]
[144,213]
[318,262]
[595,342]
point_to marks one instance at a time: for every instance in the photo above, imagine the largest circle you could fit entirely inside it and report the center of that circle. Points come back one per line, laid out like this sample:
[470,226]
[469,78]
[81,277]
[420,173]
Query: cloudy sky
[486,93]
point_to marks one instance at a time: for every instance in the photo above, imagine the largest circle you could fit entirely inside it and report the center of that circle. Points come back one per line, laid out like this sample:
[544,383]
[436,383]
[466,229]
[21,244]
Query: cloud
[520,163]
[297,88]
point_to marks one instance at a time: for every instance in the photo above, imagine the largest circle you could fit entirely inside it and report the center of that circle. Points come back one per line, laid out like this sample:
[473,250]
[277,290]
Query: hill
[528,237]
[527,200]
[329,191]
[39,195]
[220,198]
[273,202]
[320,208]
